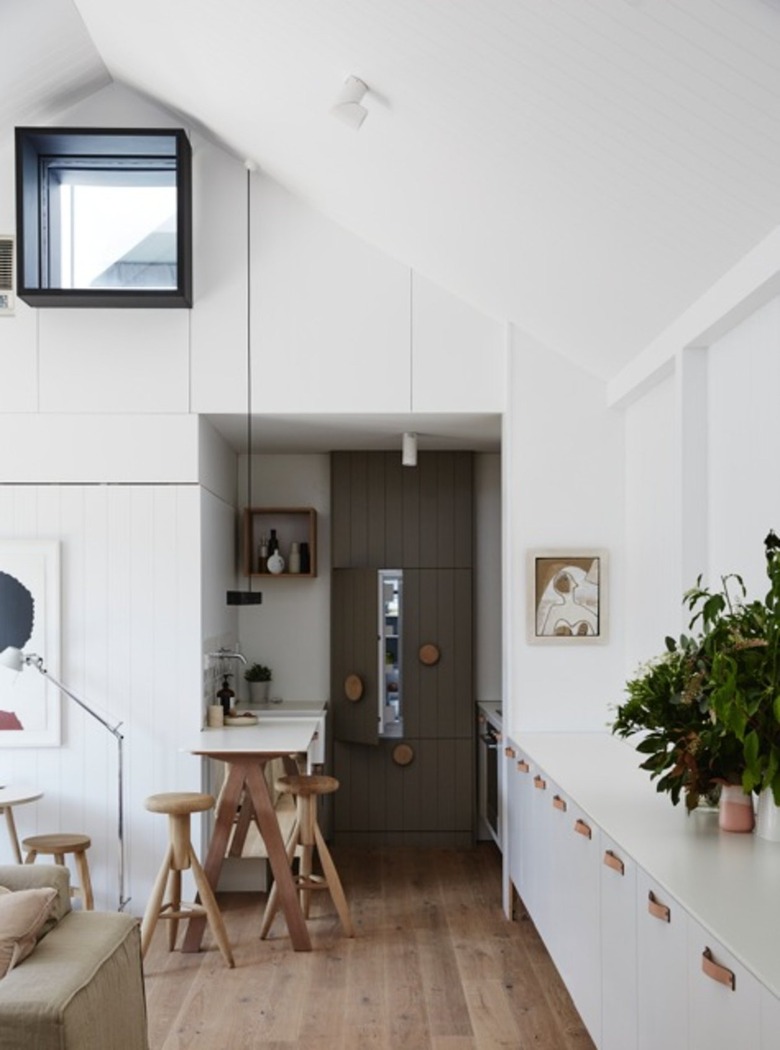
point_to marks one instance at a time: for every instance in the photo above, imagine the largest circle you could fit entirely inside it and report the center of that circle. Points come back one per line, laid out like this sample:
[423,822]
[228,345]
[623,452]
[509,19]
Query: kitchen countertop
[278,736]
[728,882]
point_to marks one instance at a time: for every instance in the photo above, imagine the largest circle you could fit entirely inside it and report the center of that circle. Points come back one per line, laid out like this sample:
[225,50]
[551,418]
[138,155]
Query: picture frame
[30,621]
[567,596]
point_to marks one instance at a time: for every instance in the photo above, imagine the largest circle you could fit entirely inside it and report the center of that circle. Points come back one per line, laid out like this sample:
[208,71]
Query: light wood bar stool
[179,857]
[58,846]
[307,835]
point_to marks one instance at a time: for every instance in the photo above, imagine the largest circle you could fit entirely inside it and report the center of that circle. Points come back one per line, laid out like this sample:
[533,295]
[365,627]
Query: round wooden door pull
[403,754]
[429,654]
[353,687]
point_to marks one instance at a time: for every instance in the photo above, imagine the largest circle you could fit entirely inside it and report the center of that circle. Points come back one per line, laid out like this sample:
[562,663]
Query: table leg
[223,824]
[277,858]
[12,836]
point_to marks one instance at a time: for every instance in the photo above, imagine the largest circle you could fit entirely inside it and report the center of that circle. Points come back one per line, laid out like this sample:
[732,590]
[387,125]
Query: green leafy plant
[684,748]
[708,708]
[258,673]
[745,679]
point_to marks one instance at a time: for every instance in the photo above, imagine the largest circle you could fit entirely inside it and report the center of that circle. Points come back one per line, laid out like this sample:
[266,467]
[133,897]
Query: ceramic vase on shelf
[735,811]
[768,820]
[276,563]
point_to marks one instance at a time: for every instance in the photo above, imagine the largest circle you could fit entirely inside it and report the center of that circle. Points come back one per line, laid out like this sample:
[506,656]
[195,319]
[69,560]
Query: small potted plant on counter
[259,677]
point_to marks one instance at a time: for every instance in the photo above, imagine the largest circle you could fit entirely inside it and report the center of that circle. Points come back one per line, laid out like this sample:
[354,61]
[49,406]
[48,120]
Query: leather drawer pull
[716,971]
[510,752]
[658,910]
[583,829]
[522,766]
[559,803]
[540,783]
[614,862]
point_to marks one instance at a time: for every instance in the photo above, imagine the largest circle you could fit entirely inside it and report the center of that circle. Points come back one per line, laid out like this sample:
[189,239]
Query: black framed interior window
[104,217]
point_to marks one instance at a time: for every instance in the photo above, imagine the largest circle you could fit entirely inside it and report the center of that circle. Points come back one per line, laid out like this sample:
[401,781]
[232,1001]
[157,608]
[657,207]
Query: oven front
[489,740]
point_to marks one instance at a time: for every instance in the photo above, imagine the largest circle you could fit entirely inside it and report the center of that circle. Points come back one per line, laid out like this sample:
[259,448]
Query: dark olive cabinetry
[417,786]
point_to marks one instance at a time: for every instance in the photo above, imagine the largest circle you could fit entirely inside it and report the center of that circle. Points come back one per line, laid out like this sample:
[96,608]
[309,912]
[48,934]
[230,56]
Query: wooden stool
[59,845]
[180,856]
[306,834]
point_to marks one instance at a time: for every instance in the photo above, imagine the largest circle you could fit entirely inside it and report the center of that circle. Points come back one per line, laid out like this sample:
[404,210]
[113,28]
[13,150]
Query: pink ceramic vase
[735,812]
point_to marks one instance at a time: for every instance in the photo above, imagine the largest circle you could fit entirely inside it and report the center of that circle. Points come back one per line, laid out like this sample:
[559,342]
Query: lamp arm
[33,660]
[37,663]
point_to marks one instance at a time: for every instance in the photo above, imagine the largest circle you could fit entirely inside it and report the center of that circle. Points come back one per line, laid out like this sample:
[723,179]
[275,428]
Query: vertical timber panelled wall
[418,519]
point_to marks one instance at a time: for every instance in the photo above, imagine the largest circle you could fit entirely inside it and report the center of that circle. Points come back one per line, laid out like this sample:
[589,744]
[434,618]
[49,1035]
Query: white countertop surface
[272,736]
[729,882]
[286,709]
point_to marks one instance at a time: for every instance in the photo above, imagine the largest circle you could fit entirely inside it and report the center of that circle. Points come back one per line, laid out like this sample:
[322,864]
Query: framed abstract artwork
[567,596]
[30,621]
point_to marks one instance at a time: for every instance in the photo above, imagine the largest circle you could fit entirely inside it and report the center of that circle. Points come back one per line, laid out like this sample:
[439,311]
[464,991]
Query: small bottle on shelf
[305,558]
[273,543]
[262,561]
[294,563]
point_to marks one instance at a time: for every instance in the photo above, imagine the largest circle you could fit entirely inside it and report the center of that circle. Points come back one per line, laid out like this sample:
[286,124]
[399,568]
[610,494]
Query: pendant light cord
[249,167]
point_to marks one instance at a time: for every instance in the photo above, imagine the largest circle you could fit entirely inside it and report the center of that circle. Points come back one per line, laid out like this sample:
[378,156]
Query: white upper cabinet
[458,354]
[330,314]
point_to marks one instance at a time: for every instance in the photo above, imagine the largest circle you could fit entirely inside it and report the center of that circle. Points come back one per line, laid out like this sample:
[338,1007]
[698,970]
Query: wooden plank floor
[434,966]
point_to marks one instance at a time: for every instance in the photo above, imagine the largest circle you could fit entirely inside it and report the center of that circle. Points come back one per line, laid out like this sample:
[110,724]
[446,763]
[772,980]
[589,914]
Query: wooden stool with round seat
[58,846]
[305,837]
[179,805]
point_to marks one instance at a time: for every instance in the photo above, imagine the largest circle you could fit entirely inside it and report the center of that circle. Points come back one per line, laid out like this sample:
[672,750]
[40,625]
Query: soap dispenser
[225,695]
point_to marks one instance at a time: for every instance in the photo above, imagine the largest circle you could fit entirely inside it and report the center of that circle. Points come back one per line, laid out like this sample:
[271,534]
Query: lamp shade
[409,450]
[12,658]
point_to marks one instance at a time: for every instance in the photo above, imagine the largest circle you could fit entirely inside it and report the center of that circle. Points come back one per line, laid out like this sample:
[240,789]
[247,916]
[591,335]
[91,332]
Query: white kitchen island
[665,929]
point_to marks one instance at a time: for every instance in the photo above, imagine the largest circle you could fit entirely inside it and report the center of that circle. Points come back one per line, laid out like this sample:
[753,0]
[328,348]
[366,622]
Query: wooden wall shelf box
[293,525]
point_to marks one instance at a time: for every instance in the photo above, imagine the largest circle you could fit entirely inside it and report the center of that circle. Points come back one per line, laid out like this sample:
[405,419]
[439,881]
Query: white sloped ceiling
[584,168]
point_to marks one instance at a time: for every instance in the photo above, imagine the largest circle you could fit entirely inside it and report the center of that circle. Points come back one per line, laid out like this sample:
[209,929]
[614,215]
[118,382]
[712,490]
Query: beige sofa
[82,987]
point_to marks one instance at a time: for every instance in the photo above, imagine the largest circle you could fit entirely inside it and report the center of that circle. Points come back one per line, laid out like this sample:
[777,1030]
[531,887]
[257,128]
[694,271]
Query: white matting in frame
[30,621]
[567,596]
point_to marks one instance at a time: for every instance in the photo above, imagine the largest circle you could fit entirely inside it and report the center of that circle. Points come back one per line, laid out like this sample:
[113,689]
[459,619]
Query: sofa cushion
[22,915]
[35,876]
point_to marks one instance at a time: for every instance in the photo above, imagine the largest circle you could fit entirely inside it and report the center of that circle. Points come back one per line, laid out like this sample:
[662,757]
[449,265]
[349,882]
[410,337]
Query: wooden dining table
[246,750]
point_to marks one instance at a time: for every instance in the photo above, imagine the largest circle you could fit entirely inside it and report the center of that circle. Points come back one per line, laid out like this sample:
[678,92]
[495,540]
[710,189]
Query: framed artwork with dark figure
[30,621]
[567,596]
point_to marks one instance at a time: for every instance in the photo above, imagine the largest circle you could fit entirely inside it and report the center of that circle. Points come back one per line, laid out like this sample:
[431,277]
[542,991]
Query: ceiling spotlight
[409,450]
[347,107]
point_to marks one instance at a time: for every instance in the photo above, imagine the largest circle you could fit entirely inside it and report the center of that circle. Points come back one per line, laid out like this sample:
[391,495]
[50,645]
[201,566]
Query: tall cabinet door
[354,663]
[438,699]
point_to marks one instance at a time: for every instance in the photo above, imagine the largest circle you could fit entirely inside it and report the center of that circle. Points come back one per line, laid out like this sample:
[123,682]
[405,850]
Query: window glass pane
[111,230]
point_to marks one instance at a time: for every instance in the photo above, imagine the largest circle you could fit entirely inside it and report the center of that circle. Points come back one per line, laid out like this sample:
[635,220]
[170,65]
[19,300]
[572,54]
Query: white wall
[744,438]
[653,523]
[563,479]
[700,468]
[290,631]
[130,619]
